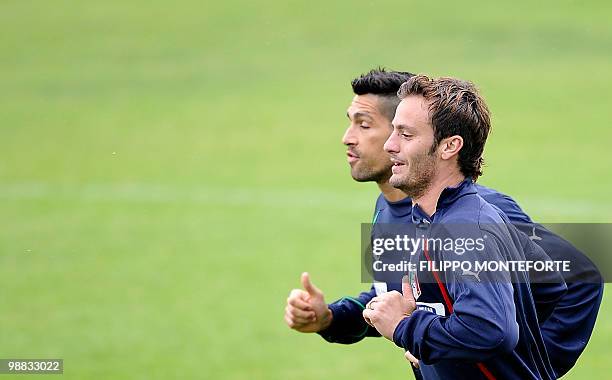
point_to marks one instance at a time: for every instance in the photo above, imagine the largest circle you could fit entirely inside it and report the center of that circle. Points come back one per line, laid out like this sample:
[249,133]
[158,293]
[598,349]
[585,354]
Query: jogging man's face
[410,147]
[365,137]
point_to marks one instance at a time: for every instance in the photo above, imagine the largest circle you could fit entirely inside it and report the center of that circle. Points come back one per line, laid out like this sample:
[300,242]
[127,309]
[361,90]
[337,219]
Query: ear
[450,147]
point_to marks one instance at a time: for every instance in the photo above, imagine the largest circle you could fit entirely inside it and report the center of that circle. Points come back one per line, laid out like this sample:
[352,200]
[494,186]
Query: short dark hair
[455,108]
[384,84]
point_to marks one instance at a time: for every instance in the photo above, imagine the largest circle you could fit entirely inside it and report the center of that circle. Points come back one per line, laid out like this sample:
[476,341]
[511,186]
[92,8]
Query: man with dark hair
[370,114]
[384,84]
[341,321]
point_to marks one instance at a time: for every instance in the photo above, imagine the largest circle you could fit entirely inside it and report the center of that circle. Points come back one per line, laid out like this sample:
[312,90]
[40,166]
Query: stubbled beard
[421,172]
[367,174]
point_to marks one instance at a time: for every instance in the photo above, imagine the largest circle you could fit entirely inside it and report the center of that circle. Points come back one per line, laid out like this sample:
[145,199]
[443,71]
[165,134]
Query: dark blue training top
[568,329]
[565,332]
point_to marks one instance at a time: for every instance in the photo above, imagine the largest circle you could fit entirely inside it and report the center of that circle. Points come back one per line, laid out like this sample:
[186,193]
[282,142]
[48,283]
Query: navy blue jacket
[568,329]
[565,332]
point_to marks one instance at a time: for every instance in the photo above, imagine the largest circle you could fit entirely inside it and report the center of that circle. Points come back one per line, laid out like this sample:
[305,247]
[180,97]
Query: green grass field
[169,169]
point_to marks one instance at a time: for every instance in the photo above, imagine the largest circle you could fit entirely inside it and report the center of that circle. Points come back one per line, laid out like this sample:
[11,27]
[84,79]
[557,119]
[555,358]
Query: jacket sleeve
[567,331]
[482,324]
[547,287]
[348,325]
[568,322]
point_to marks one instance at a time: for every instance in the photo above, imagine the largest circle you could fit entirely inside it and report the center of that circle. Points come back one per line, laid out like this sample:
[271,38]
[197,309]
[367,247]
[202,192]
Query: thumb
[308,286]
[407,288]
[412,359]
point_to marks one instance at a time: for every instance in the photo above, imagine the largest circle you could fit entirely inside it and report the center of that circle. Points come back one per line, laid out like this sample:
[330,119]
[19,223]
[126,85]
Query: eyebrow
[403,127]
[357,115]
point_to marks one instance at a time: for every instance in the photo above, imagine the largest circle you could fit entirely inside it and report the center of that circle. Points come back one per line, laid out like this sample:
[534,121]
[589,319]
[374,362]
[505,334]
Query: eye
[364,126]
[405,135]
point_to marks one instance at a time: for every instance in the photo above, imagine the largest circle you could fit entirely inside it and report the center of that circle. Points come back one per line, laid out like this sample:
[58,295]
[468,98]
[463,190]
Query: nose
[349,137]
[391,145]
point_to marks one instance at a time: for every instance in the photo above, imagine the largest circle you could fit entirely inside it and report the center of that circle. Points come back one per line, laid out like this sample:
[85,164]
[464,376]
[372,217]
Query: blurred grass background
[169,169]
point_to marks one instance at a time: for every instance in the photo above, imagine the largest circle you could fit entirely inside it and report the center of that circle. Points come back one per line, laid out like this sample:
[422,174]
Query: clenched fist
[306,309]
[385,312]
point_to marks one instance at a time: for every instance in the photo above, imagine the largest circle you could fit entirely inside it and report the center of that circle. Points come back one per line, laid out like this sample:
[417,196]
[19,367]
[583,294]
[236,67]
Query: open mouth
[397,165]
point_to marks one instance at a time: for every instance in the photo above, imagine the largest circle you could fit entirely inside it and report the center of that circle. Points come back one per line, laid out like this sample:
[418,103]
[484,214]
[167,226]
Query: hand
[412,359]
[306,309]
[386,311]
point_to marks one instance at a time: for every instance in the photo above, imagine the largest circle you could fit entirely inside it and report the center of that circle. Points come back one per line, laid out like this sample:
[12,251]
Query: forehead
[367,104]
[413,111]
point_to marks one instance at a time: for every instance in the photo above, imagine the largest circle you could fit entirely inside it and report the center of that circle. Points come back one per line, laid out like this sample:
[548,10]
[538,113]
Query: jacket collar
[400,208]
[448,196]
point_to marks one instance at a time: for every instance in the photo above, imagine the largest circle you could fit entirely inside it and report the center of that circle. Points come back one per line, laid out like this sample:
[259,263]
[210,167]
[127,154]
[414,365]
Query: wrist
[326,319]
[398,335]
[390,332]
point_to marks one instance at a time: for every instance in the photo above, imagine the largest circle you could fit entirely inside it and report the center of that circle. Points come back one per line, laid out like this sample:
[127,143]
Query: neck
[429,200]
[390,193]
